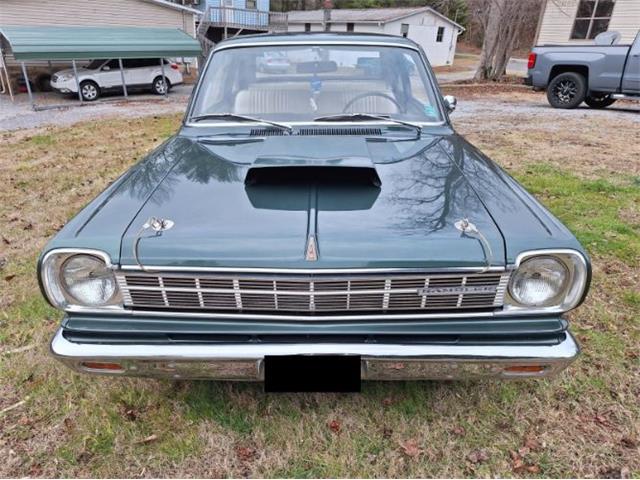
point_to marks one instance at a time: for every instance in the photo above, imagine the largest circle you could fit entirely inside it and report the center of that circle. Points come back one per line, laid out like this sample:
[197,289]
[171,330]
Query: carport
[55,43]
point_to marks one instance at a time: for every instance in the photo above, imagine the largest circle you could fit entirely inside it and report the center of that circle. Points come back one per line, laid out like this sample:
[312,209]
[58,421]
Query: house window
[350,27]
[307,27]
[251,4]
[592,18]
[404,29]
[440,34]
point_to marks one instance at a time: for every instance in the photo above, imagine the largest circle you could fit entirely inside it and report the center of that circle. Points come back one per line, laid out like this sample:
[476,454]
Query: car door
[108,76]
[137,72]
[631,76]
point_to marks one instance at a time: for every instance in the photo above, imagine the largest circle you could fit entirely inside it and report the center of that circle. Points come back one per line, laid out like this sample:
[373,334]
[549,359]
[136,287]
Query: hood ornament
[158,225]
[470,230]
[311,254]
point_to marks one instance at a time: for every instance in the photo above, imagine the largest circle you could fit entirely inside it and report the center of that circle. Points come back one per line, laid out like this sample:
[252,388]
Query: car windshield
[302,83]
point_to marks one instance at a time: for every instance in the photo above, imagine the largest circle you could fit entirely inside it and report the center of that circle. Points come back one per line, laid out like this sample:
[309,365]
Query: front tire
[160,86]
[599,100]
[89,91]
[567,90]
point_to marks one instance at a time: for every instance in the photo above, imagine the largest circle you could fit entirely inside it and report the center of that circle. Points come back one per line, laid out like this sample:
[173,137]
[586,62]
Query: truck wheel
[599,100]
[89,91]
[567,90]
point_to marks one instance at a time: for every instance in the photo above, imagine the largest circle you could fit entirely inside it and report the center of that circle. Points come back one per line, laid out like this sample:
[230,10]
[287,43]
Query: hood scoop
[345,161]
[304,170]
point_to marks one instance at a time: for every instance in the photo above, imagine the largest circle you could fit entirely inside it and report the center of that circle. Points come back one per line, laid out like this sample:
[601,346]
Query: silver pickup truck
[595,74]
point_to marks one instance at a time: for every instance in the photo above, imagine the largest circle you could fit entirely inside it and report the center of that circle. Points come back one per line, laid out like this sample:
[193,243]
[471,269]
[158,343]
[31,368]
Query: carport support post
[75,74]
[124,84]
[26,81]
[164,78]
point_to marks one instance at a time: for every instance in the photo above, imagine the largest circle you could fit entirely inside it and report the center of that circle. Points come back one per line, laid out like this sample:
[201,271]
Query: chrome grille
[308,294]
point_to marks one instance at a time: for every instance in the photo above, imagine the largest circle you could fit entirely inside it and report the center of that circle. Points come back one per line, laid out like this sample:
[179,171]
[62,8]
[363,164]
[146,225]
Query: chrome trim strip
[313,271]
[233,315]
[200,361]
[309,41]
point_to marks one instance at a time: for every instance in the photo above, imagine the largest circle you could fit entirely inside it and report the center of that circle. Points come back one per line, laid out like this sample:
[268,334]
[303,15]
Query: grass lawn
[586,422]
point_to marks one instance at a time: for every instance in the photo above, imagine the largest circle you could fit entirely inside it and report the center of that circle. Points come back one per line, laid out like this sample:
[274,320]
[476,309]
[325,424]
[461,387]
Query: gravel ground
[474,102]
[503,107]
[19,114]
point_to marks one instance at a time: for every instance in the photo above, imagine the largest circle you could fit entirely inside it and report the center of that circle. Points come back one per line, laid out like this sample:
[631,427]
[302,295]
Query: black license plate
[312,373]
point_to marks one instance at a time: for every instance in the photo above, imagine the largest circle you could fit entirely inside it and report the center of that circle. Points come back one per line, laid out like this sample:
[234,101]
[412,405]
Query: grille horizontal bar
[307,294]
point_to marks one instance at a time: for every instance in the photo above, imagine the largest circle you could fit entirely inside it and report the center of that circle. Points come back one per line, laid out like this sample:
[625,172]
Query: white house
[436,33]
[579,21]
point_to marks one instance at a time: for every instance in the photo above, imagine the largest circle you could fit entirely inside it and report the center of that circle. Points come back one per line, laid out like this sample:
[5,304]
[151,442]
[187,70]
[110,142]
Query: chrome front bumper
[379,361]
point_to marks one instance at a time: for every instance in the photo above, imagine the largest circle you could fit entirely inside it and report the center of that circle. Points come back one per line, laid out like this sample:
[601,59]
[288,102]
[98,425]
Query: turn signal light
[103,366]
[525,369]
[174,66]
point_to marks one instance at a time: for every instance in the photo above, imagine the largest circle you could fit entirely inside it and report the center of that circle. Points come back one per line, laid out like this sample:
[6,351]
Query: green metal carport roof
[78,43]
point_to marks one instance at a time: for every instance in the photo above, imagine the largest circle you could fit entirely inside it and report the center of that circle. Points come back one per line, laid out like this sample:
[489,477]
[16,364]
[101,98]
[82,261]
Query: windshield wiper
[367,116]
[241,118]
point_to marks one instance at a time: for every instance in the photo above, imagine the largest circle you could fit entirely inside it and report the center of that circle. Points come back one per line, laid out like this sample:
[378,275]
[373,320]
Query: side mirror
[450,103]
[106,68]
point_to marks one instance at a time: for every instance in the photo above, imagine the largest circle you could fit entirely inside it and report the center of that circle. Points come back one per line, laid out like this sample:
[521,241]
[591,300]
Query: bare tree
[503,23]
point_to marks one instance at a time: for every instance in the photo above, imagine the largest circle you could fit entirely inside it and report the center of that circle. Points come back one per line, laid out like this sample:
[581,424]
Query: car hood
[405,218]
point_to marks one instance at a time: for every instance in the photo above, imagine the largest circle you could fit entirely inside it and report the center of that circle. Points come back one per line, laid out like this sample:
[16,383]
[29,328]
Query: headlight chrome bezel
[53,283]
[578,269]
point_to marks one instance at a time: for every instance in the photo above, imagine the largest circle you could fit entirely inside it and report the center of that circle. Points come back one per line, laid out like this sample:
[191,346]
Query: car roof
[318,37]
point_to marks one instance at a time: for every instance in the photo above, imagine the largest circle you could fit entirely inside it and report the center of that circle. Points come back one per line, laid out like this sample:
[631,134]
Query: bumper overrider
[378,361]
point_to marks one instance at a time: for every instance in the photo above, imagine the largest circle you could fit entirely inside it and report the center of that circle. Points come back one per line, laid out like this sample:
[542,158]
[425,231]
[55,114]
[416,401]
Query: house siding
[423,28]
[136,13]
[559,15]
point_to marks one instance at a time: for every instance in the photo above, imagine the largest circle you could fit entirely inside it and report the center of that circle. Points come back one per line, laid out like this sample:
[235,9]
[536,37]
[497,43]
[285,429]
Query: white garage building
[436,33]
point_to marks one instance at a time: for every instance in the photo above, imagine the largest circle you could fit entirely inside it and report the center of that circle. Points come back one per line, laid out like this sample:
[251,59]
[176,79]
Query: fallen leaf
[68,423]
[130,414]
[460,431]
[335,426]
[410,448]
[149,439]
[533,469]
[386,402]
[514,455]
[245,454]
[517,466]
[8,278]
[629,442]
[524,451]
[478,456]
[531,443]
[387,432]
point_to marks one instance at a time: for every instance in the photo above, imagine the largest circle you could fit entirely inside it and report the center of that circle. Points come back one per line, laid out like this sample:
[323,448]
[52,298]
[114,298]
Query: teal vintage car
[328,213]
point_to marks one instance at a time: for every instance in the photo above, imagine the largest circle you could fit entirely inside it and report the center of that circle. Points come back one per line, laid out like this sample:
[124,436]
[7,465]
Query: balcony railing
[244,18]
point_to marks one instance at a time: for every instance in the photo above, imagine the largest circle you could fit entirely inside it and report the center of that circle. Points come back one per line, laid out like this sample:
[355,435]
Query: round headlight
[88,280]
[539,282]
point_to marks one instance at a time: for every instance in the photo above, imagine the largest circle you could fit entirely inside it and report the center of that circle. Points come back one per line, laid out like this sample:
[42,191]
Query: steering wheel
[372,94]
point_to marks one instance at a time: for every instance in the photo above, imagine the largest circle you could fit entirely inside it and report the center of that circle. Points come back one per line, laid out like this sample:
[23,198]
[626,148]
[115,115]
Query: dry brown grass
[586,422]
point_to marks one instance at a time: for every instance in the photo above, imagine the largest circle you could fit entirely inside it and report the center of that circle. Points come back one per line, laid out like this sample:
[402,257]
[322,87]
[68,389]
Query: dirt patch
[517,128]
